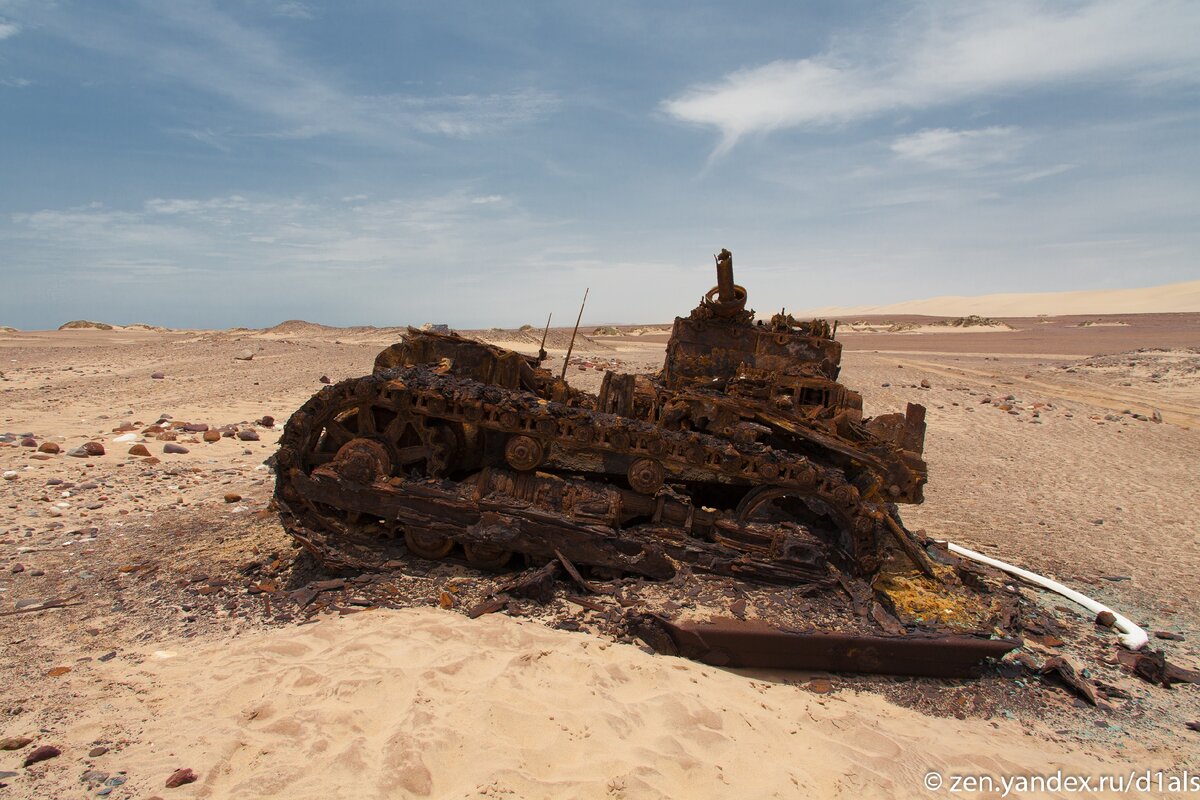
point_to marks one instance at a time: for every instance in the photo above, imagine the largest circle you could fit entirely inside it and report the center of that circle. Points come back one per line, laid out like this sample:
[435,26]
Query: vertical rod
[572,345]
[545,333]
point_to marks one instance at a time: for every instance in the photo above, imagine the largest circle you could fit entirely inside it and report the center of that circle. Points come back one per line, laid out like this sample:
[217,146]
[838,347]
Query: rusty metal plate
[740,643]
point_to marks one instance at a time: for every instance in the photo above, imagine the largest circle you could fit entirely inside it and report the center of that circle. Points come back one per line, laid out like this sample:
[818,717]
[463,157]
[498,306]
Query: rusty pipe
[726,292]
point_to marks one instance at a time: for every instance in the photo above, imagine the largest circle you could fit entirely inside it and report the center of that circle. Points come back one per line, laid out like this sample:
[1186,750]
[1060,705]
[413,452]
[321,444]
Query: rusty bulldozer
[743,457]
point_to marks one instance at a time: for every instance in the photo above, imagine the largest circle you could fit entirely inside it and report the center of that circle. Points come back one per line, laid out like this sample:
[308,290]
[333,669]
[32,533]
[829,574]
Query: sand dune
[426,703]
[1171,298]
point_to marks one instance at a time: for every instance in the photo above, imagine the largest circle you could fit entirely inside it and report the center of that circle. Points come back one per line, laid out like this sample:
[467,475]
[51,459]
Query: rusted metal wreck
[743,457]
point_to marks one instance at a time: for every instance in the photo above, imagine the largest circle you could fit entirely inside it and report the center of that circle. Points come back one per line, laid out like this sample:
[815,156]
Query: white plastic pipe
[1132,636]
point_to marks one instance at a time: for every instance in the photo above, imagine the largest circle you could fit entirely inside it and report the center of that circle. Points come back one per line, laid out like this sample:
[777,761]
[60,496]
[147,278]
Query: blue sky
[240,163]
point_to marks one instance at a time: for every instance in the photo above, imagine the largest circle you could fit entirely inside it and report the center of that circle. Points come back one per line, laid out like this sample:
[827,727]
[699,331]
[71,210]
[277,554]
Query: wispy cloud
[949,52]
[275,90]
[294,10]
[959,149]
[1038,174]
[8,29]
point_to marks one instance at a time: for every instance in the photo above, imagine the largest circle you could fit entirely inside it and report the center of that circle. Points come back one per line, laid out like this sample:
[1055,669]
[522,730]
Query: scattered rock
[1106,619]
[139,450]
[29,441]
[267,421]
[1193,726]
[93,448]
[212,436]
[1169,636]
[96,752]
[171,447]
[78,452]
[158,376]
[248,435]
[49,447]
[232,497]
[325,379]
[43,753]
[14,742]
[180,777]
[93,777]
[18,568]
[1069,675]
[195,427]
[925,384]
[11,475]
[57,671]
[245,355]
[1156,416]
[819,686]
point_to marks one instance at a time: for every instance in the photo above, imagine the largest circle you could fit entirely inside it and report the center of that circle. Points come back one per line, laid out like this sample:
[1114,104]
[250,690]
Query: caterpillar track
[744,457]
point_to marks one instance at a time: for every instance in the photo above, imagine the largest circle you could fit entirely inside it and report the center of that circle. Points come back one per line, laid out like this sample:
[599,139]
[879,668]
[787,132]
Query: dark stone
[1106,619]
[248,435]
[158,376]
[93,448]
[171,447]
[43,753]
[180,777]
[96,752]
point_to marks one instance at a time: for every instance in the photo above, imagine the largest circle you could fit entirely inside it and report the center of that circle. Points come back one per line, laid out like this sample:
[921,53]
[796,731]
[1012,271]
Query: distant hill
[78,324]
[297,326]
[1171,298]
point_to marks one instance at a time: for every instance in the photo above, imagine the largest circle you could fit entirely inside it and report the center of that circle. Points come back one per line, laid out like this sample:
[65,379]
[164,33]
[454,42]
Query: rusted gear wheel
[364,431]
[645,476]
[487,556]
[524,453]
[427,545]
[821,513]
[411,441]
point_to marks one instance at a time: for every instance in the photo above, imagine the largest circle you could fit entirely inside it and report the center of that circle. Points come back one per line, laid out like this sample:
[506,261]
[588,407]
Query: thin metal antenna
[563,377]
[545,333]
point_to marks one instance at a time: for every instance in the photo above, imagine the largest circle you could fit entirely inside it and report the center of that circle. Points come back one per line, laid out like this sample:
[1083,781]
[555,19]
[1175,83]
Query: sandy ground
[169,652]
[1181,297]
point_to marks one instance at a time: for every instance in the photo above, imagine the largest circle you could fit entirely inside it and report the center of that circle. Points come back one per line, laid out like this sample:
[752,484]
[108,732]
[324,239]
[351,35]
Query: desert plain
[156,617]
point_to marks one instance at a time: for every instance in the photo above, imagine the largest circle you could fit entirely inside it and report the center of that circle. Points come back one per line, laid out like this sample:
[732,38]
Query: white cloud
[15,83]
[8,29]
[948,53]
[1038,174]
[959,149]
[198,46]
[293,10]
